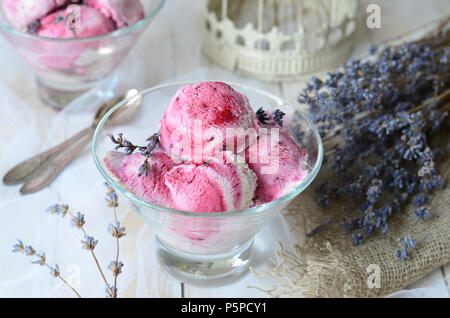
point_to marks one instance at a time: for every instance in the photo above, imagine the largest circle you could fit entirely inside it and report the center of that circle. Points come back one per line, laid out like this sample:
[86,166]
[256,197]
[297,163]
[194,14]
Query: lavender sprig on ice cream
[215,154]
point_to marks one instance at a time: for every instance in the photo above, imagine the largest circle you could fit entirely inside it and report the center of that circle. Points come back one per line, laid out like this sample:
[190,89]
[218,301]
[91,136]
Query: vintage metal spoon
[39,171]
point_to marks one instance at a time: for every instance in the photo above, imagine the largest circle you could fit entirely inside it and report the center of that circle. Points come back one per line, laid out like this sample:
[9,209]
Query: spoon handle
[44,175]
[25,169]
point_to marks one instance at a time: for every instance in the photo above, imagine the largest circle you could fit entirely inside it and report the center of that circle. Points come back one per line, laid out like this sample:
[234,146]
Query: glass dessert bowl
[198,245]
[65,68]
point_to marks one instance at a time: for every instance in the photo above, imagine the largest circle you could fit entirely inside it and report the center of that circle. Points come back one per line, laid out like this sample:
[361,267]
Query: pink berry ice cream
[92,23]
[212,186]
[24,13]
[21,13]
[195,123]
[278,161]
[70,19]
[123,13]
[151,187]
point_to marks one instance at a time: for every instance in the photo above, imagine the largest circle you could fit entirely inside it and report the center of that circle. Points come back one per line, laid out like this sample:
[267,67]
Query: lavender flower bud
[78,220]
[18,247]
[89,243]
[116,231]
[41,259]
[115,267]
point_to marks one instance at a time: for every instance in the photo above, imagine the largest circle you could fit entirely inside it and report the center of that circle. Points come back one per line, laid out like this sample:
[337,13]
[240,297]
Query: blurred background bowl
[66,68]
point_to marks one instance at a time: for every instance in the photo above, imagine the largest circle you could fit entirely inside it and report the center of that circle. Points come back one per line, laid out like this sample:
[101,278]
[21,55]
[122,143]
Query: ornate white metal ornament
[278,40]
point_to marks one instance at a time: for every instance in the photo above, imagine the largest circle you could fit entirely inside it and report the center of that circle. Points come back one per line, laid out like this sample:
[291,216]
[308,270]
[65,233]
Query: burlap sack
[328,265]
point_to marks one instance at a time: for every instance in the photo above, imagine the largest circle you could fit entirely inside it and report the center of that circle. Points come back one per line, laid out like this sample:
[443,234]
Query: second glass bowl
[66,68]
[198,246]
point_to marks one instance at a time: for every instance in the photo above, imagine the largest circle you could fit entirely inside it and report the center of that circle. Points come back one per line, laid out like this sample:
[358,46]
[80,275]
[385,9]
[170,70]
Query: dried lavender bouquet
[89,243]
[380,120]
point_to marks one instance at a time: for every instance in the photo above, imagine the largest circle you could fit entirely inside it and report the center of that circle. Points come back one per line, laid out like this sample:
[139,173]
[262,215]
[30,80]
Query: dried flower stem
[154,143]
[73,289]
[19,247]
[89,243]
[117,244]
[92,252]
[437,99]
[65,282]
[117,232]
[99,268]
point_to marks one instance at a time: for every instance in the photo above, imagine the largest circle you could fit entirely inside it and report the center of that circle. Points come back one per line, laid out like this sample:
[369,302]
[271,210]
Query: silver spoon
[39,171]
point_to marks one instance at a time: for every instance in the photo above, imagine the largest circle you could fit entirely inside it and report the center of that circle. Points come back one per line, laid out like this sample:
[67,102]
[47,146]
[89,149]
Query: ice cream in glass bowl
[207,165]
[71,45]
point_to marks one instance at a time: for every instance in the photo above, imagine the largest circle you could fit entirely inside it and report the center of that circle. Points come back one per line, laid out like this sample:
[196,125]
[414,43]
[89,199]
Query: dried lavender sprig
[121,142]
[116,231]
[147,151]
[41,260]
[89,243]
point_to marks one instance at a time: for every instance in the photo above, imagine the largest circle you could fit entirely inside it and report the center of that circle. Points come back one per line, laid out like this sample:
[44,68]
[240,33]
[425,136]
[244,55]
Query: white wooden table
[171,48]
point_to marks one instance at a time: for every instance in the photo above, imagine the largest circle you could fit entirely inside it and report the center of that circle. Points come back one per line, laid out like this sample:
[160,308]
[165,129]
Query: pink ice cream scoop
[203,117]
[54,25]
[21,13]
[278,161]
[92,23]
[213,186]
[152,188]
[124,13]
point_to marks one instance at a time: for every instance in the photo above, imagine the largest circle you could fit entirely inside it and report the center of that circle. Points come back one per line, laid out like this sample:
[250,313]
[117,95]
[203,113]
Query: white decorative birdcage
[278,40]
